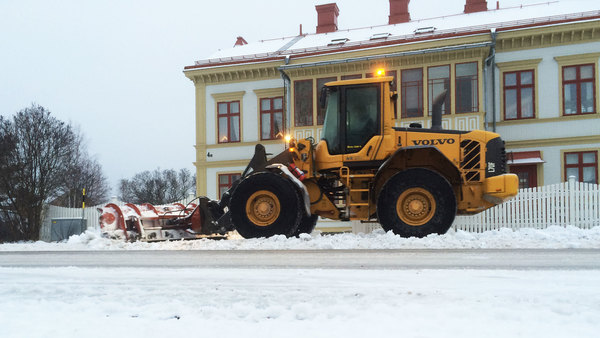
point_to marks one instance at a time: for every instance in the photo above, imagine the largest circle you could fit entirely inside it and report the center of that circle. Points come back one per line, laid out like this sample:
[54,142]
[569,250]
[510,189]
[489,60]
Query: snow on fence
[567,203]
[90,214]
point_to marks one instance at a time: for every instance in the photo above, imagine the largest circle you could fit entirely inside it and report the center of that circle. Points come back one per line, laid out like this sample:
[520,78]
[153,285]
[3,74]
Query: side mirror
[323,97]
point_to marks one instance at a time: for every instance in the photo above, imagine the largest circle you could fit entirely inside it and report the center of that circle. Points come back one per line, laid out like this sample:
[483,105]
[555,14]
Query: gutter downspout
[287,94]
[491,61]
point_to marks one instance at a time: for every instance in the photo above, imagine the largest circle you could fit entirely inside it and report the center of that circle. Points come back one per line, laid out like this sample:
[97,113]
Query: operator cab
[354,110]
[353,126]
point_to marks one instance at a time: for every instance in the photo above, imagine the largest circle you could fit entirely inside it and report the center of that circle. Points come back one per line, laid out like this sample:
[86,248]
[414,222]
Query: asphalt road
[510,259]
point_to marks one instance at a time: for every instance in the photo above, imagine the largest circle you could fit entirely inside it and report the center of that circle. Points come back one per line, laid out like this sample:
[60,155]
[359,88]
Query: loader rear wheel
[265,204]
[415,203]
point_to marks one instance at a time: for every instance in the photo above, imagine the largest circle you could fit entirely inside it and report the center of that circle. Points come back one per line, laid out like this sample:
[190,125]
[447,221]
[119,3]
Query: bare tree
[39,154]
[157,187]
[86,173]
[7,170]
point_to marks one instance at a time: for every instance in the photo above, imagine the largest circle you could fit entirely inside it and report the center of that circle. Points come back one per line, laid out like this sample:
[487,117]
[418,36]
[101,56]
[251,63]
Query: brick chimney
[473,6]
[399,11]
[327,15]
[240,41]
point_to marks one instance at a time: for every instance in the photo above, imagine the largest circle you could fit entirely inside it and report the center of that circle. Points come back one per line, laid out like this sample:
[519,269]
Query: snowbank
[553,237]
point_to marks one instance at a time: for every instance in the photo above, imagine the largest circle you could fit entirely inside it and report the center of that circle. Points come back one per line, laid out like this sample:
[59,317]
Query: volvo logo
[434,142]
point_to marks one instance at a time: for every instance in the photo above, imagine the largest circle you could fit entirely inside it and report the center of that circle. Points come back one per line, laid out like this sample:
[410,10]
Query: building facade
[529,73]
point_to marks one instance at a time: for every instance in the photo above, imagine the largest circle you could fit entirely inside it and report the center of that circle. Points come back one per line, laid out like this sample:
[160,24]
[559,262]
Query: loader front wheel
[307,224]
[415,203]
[265,204]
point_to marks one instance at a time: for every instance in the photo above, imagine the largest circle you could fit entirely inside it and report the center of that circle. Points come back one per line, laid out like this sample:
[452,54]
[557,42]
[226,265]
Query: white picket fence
[568,203]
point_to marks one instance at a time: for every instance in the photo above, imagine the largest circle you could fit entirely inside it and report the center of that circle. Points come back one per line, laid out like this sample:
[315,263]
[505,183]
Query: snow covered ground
[159,302]
[225,302]
[554,237]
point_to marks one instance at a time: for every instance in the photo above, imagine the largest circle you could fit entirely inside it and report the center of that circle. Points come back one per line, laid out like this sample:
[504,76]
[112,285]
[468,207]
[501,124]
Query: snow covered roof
[548,13]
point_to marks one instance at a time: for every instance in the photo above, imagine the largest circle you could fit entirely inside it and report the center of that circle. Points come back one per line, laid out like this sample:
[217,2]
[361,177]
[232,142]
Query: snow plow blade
[146,222]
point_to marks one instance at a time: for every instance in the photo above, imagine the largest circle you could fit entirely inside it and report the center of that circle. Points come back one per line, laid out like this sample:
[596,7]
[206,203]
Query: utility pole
[83,209]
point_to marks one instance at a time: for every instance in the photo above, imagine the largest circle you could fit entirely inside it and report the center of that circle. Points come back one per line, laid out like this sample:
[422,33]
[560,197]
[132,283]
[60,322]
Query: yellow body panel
[501,188]
[359,174]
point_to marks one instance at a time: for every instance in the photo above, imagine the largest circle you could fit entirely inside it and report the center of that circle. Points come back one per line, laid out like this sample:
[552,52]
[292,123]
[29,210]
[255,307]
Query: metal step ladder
[347,177]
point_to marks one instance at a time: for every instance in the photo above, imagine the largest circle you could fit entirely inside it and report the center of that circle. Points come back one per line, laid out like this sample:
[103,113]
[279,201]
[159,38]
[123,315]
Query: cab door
[361,107]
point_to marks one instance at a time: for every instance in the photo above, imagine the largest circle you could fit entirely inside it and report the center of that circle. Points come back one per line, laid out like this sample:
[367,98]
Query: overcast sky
[115,68]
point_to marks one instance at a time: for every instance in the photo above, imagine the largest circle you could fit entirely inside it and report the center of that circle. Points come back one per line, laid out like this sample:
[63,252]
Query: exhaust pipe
[436,114]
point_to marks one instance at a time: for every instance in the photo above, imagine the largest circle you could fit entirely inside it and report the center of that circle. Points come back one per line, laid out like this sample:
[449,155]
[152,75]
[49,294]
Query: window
[412,92]
[579,89]
[225,182]
[519,95]
[518,89]
[362,111]
[331,126]
[303,103]
[271,118]
[583,165]
[229,121]
[438,80]
[321,111]
[466,88]
[352,77]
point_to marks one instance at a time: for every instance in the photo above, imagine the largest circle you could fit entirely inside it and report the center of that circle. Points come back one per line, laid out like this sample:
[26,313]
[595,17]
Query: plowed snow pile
[553,237]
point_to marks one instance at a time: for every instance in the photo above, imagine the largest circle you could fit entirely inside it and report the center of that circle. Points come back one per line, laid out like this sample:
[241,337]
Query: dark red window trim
[272,112]
[580,165]
[578,81]
[228,115]
[518,88]
[457,91]
[297,102]
[448,94]
[403,87]
[230,179]
[321,111]
[351,77]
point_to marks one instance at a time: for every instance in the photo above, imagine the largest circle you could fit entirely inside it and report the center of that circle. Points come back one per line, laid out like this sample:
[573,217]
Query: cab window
[362,110]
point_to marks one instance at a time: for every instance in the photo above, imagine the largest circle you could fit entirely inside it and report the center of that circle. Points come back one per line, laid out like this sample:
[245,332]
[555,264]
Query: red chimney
[399,11]
[327,15]
[473,6]
[240,41]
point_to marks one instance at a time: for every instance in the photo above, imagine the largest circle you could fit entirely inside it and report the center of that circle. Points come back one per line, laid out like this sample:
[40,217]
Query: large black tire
[265,204]
[307,224]
[415,203]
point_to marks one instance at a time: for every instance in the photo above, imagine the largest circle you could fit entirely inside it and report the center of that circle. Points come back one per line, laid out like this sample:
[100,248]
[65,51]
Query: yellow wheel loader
[413,181]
